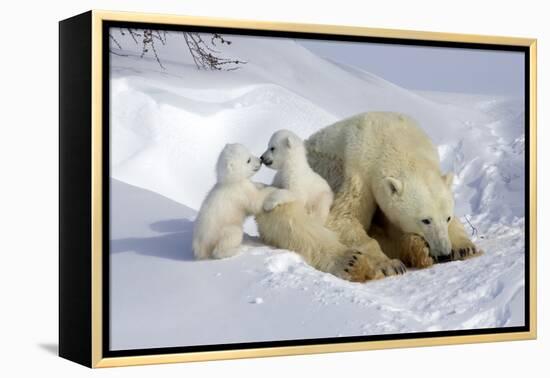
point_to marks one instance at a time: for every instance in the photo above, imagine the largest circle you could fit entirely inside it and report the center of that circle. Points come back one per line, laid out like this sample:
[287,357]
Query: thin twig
[115,41]
[474,230]
[204,55]
[116,53]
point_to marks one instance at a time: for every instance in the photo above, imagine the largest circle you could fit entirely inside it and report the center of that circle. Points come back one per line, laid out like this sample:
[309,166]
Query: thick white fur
[372,161]
[287,155]
[218,228]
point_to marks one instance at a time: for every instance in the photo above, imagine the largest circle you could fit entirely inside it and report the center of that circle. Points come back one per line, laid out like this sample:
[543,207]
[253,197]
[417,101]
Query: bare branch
[149,41]
[112,38]
[474,230]
[204,55]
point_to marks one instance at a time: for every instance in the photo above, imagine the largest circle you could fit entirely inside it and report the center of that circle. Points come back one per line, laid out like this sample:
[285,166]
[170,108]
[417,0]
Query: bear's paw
[415,251]
[388,267]
[464,249]
[356,266]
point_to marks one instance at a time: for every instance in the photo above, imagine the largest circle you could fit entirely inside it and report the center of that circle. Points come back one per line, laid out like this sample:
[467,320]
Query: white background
[29,189]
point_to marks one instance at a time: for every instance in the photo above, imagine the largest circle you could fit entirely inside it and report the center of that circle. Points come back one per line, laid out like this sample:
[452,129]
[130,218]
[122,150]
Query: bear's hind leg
[228,244]
[289,227]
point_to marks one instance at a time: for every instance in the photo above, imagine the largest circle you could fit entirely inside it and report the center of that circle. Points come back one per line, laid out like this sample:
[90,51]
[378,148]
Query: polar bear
[218,230]
[287,155]
[392,202]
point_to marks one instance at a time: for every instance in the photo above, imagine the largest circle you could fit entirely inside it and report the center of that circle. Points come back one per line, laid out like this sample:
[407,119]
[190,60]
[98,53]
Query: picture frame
[85,152]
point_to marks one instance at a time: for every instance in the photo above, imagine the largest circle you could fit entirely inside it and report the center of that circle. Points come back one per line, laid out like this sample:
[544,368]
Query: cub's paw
[464,249]
[415,251]
[270,204]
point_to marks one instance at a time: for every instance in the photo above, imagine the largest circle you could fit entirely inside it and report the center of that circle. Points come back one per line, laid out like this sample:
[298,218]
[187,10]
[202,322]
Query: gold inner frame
[97,176]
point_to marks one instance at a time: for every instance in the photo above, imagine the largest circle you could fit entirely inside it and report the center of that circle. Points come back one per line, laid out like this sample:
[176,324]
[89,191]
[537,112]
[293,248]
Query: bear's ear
[289,142]
[230,165]
[448,179]
[394,186]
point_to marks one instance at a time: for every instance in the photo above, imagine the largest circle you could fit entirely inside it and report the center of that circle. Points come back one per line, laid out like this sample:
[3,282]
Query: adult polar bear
[392,203]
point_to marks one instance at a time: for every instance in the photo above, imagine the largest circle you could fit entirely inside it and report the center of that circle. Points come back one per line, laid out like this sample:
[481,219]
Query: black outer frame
[75,189]
[75,331]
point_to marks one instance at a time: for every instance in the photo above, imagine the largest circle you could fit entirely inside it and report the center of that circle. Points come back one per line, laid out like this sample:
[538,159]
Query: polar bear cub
[286,154]
[218,230]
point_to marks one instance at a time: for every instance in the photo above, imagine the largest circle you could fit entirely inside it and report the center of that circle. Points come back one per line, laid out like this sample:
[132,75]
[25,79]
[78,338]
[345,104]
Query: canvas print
[271,188]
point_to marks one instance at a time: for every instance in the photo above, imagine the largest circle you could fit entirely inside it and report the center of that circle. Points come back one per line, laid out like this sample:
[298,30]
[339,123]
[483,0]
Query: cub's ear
[289,142]
[393,185]
[230,165]
[448,179]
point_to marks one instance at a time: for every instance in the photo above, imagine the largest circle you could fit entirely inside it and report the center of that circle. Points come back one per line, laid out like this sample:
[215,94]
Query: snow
[167,128]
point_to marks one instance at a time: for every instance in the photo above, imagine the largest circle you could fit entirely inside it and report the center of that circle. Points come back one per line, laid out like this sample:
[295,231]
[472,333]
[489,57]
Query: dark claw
[442,259]
[346,270]
[385,271]
[354,257]
[350,263]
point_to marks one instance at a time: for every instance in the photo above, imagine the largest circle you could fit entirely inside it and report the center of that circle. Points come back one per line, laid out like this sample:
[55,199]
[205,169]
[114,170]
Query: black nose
[262,158]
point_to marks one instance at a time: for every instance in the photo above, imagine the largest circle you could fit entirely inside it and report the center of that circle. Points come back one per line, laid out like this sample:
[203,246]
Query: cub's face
[424,207]
[236,163]
[282,145]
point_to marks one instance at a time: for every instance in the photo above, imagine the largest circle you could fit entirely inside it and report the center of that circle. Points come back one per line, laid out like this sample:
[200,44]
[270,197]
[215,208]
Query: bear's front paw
[415,251]
[464,249]
[354,266]
[389,267]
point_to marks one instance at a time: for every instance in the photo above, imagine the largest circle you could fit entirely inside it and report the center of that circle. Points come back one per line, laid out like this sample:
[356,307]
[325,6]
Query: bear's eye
[248,162]
[426,221]
[448,219]
[272,149]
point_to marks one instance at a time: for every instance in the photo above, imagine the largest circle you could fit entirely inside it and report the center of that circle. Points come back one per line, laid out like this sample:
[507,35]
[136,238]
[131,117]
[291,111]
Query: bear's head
[236,163]
[284,148]
[421,204]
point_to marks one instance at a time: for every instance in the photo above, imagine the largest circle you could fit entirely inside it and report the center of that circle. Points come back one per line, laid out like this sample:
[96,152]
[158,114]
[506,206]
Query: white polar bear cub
[287,155]
[218,230]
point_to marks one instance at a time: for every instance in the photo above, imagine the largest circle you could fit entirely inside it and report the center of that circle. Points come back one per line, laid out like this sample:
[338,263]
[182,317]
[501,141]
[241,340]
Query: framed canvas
[235,189]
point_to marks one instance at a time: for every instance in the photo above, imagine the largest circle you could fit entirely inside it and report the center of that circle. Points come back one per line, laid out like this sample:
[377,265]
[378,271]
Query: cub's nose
[262,158]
